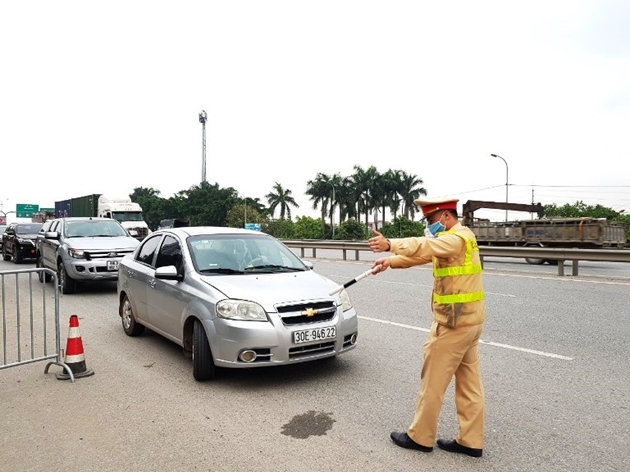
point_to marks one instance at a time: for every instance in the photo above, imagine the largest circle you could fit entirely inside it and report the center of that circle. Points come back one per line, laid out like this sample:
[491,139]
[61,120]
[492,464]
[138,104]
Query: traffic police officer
[458,314]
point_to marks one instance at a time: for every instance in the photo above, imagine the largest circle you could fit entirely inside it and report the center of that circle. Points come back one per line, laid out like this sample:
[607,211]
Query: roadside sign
[254,226]
[25,210]
[49,210]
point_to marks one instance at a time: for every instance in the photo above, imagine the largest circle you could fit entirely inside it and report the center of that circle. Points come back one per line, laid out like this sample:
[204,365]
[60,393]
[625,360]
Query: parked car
[233,298]
[82,249]
[18,241]
[2,228]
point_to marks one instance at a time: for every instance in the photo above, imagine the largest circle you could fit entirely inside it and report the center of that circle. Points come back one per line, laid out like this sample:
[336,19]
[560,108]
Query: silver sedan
[233,298]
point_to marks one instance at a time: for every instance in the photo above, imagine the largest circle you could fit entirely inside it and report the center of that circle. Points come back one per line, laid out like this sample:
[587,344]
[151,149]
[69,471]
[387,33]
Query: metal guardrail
[555,254]
[27,323]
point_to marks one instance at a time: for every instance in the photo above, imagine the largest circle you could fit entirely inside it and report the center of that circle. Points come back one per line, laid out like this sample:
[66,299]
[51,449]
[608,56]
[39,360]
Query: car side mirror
[168,273]
[308,264]
[51,235]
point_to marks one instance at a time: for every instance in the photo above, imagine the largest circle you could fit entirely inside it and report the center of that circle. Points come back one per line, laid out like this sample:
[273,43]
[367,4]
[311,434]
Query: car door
[8,242]
[167,299]
[49,246]
[138,272]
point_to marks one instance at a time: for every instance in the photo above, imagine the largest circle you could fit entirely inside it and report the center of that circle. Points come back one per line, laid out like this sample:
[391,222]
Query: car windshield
[93,228]
[28,229]
[127,215]
[242,254]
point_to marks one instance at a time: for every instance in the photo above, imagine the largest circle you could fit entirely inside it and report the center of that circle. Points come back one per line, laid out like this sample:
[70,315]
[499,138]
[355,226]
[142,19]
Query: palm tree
[281,198]
[365,186]
[320,191]
[410,188]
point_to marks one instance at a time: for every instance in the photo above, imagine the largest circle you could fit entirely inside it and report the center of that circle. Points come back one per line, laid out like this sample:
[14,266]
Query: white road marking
[488,343]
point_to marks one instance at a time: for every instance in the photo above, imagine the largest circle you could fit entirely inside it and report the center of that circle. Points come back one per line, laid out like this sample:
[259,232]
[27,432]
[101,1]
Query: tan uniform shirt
[449,250]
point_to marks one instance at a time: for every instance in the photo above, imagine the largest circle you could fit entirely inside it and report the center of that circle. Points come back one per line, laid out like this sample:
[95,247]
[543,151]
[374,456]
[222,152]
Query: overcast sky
[105,97]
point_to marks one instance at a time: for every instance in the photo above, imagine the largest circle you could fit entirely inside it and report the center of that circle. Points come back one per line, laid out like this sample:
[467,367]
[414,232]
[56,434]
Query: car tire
[67,285]
[41,275]
[130,326]
[203,363]
[17,257]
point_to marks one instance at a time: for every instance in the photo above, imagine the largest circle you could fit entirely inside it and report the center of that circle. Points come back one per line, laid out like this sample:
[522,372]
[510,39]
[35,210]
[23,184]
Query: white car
[233,298]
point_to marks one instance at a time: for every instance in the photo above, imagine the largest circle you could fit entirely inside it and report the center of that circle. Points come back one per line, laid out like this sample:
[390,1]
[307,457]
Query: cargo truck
[126,212]
[542,232]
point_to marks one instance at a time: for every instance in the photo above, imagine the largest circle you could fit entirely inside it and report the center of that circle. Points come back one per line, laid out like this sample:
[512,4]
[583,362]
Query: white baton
[352,282]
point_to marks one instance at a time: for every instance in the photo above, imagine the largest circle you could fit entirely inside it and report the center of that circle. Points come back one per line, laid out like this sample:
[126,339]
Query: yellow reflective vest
[458,298]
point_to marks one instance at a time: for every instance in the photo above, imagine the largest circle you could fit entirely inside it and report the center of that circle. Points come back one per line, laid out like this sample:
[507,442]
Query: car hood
[27,236]
[99,243]
[272,289]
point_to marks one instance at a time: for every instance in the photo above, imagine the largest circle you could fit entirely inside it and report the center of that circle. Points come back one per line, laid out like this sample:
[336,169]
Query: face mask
[436,227]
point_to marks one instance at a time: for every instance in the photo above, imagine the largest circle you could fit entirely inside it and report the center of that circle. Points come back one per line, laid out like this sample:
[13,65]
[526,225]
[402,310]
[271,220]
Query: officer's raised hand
[378,242]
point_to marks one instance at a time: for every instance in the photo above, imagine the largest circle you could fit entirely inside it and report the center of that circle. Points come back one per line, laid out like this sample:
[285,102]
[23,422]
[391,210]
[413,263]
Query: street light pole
[202,119]
[506,182]
[332,209]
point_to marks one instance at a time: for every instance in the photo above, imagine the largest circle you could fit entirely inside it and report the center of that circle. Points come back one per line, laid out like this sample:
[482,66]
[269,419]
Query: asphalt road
[554,362]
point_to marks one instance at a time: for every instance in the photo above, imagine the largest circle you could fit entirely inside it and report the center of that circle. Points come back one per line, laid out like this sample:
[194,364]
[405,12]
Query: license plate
[112,265]
[316,334]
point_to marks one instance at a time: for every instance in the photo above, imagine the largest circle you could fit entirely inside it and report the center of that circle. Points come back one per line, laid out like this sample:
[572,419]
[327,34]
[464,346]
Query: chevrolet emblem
[310,312]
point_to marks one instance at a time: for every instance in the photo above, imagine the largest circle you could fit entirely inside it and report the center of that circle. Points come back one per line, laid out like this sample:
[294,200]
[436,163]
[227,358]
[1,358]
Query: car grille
[302,351]
[103,255]
[307,312]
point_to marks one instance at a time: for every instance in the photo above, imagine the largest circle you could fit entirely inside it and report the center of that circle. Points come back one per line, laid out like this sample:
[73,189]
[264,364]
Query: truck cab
[126,212]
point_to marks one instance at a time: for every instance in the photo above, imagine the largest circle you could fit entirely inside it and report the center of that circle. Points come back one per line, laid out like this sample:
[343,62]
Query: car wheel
[5,257]
[67,284]
[17,257]
[130,326]
[203,363]
[41,275]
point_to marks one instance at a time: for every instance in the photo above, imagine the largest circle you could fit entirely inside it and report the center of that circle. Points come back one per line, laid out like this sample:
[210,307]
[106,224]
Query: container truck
[542,232]
[126,212]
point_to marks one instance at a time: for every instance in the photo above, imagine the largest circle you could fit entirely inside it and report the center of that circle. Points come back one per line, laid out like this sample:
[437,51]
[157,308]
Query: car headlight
[346,304]
[241,310]
[76,253]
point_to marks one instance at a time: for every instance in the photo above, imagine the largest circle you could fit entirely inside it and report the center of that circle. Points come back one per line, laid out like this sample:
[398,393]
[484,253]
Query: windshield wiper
[221,270]
[274,267]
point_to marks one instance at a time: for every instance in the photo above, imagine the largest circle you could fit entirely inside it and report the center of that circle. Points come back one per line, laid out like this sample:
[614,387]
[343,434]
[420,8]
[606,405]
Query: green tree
[280,197]
[281,229]
[240,214]
[307,228]
[403,227]
[207,205]
[351,230]
[321,190]
[365,185]
[579,210]
[410,188]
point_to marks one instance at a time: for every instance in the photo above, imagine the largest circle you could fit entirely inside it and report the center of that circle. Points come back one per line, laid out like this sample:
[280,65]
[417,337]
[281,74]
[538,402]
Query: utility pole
[202,119]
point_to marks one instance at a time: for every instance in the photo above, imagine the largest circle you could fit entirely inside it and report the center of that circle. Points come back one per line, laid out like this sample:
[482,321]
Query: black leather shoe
[451,445]
[403,440]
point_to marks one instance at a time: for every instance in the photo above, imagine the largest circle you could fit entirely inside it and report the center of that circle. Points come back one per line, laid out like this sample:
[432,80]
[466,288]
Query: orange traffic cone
[75,358]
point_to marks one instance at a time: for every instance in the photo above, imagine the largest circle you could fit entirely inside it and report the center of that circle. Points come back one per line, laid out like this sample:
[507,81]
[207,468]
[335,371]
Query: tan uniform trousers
[448,352]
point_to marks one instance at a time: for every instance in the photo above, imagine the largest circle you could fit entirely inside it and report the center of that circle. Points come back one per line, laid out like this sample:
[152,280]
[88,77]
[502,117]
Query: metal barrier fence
[553,254]
[30,333]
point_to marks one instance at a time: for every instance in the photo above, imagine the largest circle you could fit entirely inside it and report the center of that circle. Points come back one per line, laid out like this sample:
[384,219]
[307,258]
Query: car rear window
[27,229]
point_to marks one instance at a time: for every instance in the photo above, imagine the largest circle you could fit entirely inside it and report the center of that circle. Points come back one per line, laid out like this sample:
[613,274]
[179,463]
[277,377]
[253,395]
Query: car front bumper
[82,269]
[272,341]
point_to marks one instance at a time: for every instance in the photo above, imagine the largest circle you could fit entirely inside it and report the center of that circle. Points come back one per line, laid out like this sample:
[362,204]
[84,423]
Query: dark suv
[18,241]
